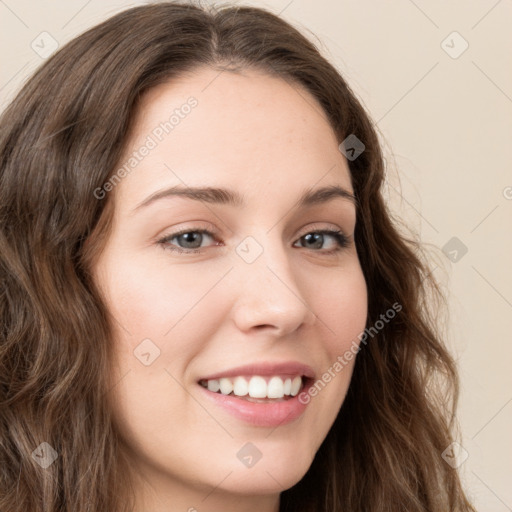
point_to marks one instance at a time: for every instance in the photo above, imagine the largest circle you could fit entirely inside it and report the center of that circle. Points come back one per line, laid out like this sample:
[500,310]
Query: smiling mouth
[258,389]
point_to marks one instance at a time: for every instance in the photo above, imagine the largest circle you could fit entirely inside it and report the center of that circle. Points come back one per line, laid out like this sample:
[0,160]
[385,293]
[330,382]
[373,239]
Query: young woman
[205,303]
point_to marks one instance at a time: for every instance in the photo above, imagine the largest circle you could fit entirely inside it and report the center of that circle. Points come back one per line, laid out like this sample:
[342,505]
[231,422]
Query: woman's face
[266,293]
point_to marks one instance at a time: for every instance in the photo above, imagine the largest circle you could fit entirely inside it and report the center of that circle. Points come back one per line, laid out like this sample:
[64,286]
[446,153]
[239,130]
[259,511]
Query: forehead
[247,130]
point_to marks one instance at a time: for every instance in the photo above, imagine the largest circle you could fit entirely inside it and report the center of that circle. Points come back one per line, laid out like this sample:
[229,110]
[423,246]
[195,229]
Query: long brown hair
[61,139]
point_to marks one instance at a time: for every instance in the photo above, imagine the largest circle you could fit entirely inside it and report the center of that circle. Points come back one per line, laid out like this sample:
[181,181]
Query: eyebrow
[215,195]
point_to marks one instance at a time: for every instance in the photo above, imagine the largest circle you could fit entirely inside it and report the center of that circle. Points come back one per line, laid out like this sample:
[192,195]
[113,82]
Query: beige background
[447,119]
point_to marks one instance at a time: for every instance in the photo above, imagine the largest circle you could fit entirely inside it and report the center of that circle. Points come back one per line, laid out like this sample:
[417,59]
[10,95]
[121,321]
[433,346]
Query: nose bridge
[269,292]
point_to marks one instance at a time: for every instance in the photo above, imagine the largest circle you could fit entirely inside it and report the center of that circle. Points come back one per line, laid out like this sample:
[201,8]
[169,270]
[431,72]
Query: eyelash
[341,239]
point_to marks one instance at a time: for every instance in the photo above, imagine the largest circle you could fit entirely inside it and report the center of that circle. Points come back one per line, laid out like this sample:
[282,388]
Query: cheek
[152,299]
[342,307]
[342,311]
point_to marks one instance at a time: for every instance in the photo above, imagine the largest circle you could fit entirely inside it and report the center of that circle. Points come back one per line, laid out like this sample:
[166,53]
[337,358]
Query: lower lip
[271,414]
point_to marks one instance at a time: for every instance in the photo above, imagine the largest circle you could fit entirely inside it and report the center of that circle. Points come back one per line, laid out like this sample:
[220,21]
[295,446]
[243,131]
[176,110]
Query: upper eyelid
[317,226]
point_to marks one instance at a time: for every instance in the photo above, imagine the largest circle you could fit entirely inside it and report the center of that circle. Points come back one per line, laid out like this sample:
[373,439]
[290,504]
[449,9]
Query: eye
[188,240]
[191,240]
[316,239]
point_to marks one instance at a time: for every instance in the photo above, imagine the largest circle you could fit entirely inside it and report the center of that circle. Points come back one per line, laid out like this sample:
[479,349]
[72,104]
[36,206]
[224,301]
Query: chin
[277,474]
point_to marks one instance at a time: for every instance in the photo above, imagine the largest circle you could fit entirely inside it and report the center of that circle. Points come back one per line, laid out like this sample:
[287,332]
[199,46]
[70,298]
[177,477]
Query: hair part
[64,136]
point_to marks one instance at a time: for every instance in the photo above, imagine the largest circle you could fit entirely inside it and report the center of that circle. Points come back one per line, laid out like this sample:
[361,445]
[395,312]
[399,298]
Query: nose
[269,295]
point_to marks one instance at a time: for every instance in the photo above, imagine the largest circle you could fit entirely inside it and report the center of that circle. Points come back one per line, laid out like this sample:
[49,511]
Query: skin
[207,311]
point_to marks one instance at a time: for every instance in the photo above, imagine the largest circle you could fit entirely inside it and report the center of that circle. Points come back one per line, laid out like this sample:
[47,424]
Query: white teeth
[240,386]
[275,387]
[225,386]
[213,385]
[287,386]
[256,387]
[296,382]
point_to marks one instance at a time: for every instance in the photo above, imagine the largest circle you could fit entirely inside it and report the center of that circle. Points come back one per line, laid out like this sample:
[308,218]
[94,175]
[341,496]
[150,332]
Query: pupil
[191,238]
[315,237]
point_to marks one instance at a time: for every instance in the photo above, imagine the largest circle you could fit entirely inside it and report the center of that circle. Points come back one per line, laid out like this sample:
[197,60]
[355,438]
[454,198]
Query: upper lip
[291,368]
